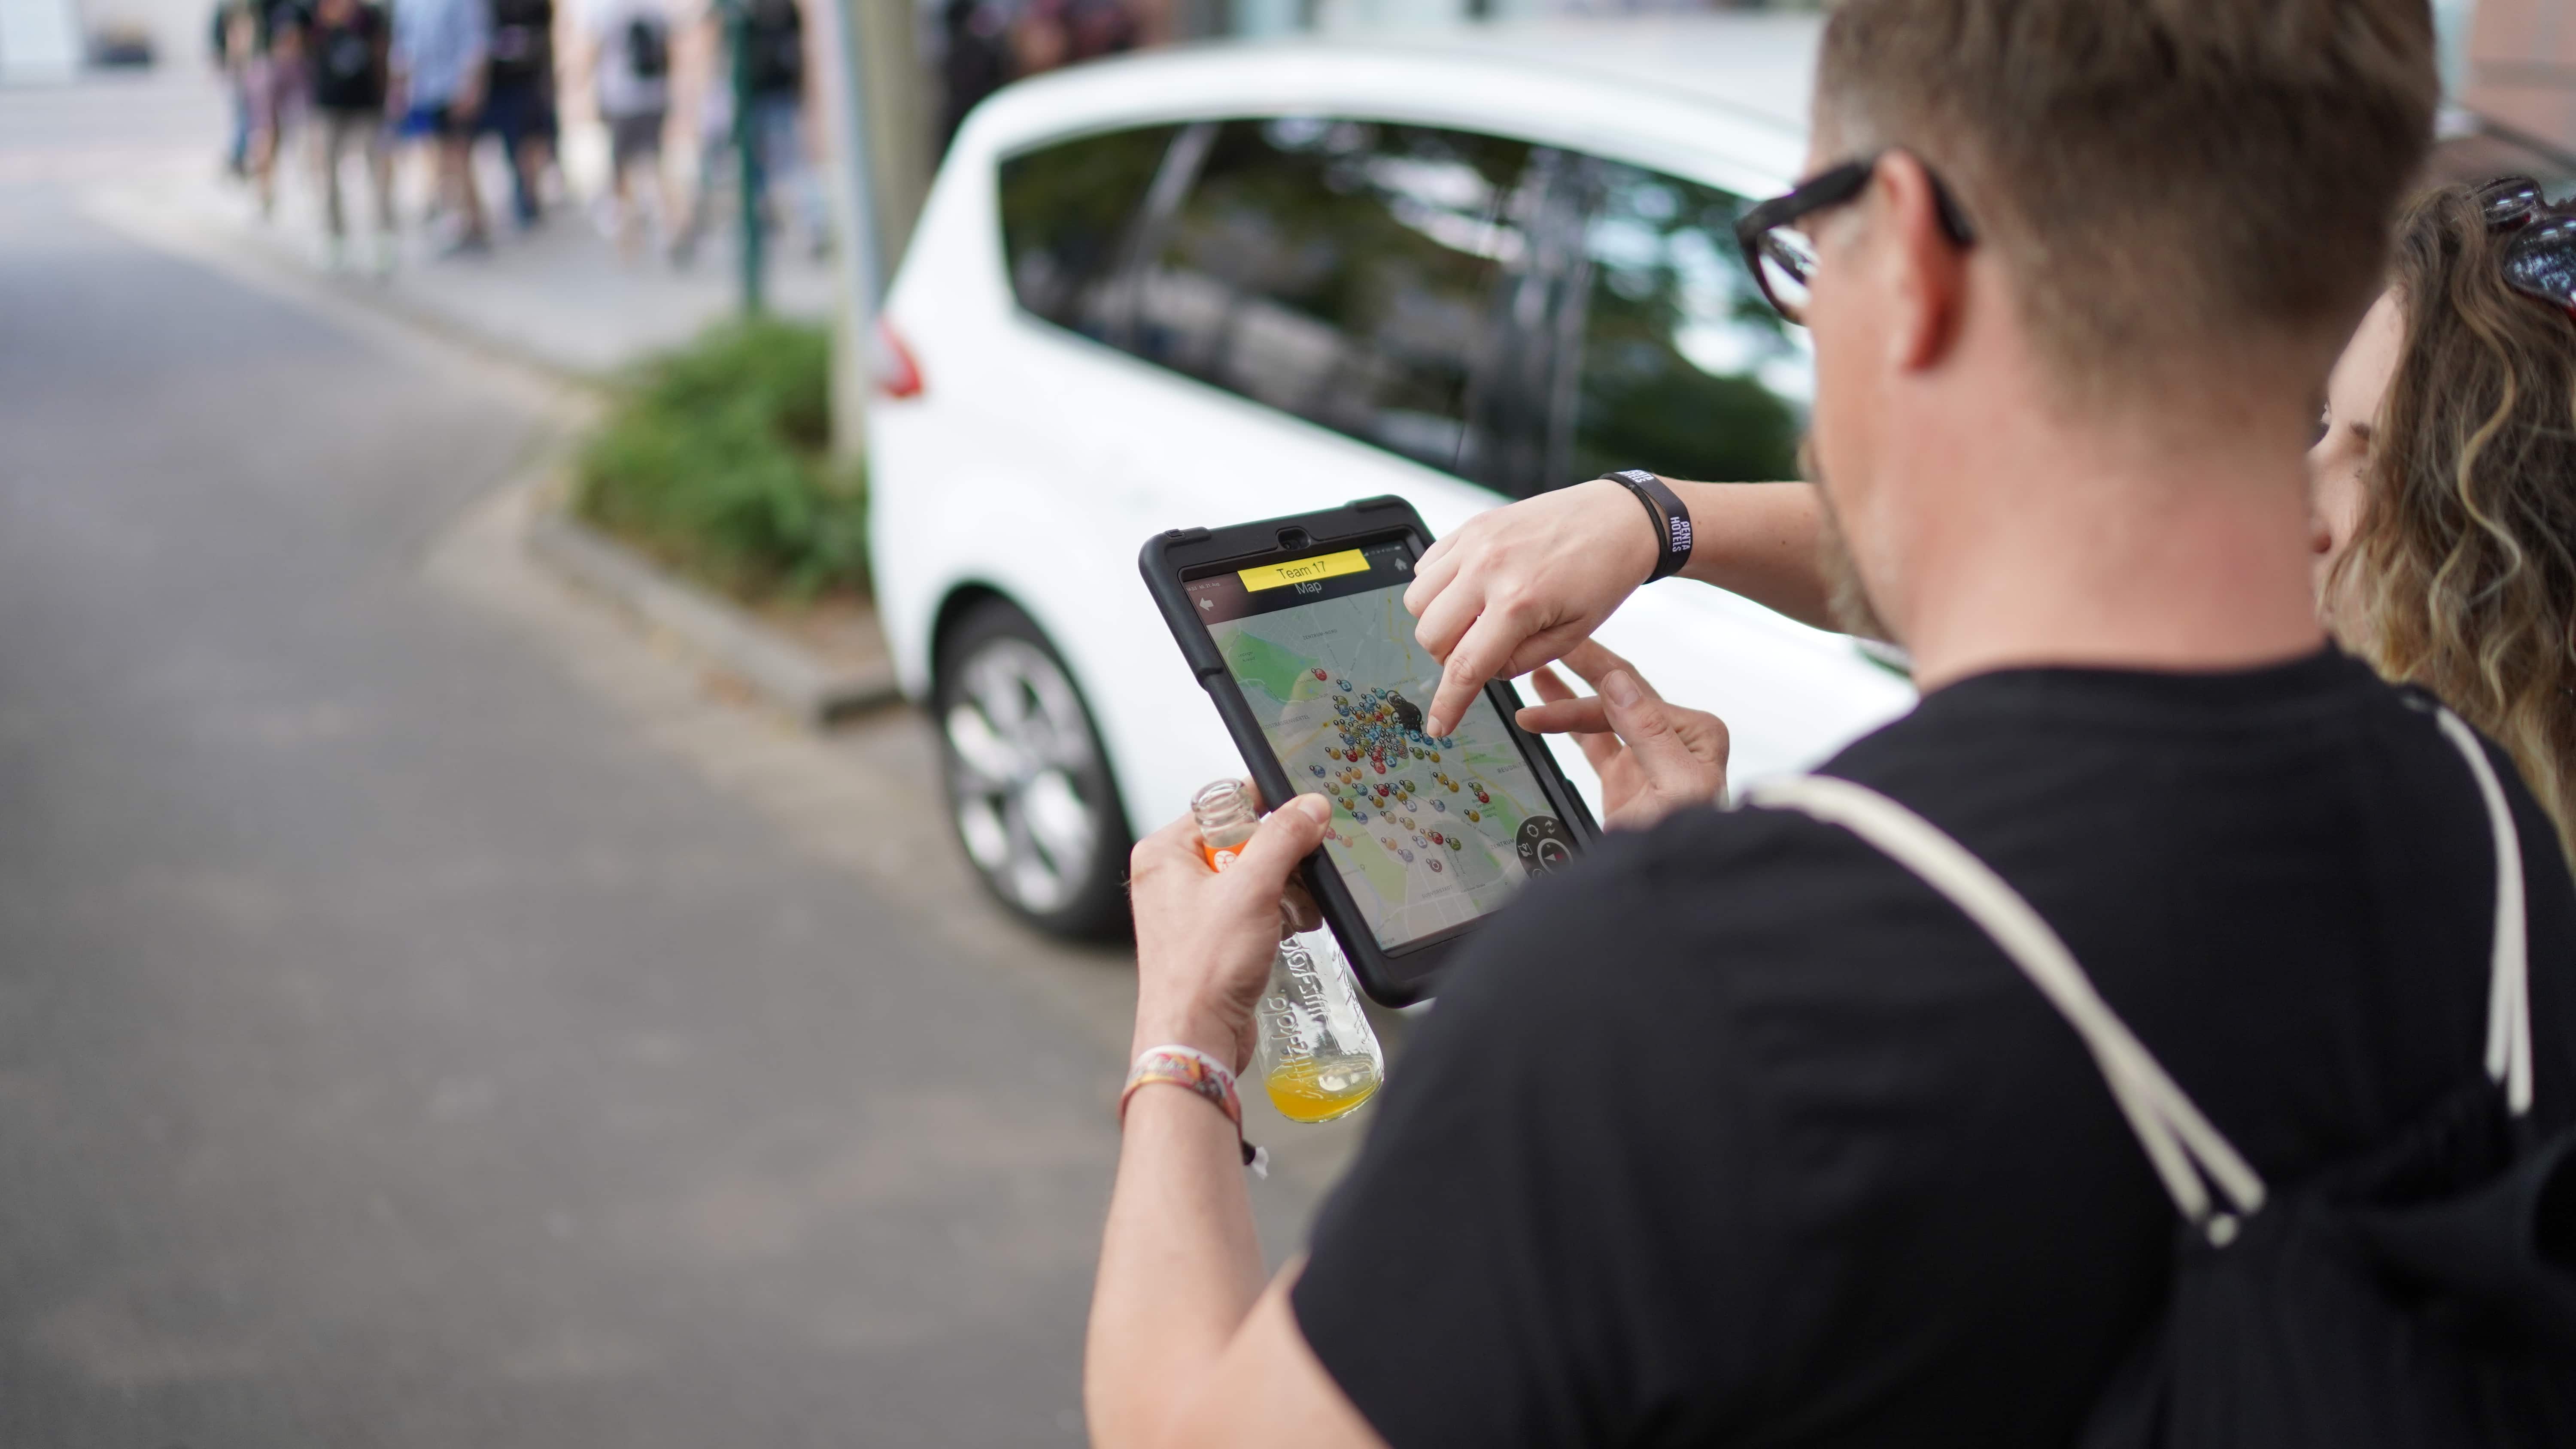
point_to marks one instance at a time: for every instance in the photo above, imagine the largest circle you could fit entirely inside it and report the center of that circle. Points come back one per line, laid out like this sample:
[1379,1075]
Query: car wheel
[1029,788]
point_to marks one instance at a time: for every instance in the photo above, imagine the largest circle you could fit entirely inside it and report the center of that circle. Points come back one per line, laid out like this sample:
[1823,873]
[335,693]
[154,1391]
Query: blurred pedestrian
[274,81]
[234,40]
[761,51]
[2067,1060]
[2445,478]
[629,64]
[440,50]
[773,32]
[715,157]
[520,108]
[1049,34]
[349,52]
[975,59]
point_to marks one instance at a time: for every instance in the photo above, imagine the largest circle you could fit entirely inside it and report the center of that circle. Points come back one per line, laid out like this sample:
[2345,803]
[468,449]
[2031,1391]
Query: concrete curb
[816,693]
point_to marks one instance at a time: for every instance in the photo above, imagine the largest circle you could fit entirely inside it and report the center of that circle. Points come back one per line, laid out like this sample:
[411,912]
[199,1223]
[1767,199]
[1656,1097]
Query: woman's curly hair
[2461,573]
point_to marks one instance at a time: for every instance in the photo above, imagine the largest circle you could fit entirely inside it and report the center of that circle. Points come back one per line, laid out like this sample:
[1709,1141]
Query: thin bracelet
[1671,518]
[1187,1066]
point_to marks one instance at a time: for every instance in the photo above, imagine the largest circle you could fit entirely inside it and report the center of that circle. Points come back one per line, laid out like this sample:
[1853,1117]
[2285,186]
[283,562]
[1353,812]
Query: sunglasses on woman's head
[2540,260]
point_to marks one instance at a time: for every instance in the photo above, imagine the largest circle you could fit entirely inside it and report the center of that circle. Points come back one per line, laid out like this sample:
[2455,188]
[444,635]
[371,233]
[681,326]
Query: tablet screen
[1429,832]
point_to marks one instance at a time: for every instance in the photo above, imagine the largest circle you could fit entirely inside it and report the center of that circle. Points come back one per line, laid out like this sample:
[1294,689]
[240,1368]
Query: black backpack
[648,48]
[2424,1295]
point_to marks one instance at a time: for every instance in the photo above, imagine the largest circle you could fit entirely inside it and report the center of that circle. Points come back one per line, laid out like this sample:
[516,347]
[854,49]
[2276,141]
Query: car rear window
[1521,315]
[1683,367]
[1067,210]
[1344,271]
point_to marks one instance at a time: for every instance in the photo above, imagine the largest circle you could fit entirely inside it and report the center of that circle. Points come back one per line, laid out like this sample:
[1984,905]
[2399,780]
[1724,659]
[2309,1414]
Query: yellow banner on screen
[1304,570]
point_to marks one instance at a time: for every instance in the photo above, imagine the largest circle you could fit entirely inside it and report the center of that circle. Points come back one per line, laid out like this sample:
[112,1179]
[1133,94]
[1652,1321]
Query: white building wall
[40,40]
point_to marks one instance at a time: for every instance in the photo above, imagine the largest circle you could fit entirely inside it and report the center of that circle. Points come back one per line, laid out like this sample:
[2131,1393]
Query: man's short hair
[2167,181]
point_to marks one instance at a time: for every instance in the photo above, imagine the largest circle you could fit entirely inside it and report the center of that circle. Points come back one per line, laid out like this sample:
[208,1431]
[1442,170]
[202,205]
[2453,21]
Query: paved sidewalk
[557,305]
[559,295]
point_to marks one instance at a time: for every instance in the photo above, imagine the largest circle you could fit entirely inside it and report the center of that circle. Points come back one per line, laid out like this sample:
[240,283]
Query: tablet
[1297,629]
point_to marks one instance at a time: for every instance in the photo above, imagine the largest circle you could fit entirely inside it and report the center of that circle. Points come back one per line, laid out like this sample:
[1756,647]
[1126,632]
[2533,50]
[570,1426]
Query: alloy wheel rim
[1018,749]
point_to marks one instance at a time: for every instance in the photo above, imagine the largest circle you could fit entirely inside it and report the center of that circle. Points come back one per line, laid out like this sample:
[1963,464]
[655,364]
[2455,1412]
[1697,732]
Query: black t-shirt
[523,48]
[1739,1134]
[348,61]
[775,39]
[279,20]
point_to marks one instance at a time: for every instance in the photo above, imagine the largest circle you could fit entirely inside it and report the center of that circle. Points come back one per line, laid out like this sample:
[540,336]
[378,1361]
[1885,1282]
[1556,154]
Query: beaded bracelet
[1185,1066]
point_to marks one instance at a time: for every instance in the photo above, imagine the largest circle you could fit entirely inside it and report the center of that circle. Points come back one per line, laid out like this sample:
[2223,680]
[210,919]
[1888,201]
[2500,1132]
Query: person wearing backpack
[2166,1034]
[630,73]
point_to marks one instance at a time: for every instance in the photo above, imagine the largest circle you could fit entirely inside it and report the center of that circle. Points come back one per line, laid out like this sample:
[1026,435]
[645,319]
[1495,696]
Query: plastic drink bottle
[1318,1056]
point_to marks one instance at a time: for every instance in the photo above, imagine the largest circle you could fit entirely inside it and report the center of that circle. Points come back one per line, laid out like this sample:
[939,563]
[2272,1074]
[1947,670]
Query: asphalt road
[429,1013]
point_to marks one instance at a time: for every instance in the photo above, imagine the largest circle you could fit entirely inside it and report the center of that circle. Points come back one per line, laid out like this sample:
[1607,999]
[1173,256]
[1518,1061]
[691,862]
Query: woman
[2445,481]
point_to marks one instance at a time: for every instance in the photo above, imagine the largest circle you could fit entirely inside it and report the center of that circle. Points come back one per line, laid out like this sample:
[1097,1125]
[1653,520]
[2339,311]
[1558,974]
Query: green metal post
[746,144]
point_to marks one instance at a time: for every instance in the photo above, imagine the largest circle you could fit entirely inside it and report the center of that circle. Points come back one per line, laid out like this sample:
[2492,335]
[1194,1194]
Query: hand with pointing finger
[1518,586]
[1653,757]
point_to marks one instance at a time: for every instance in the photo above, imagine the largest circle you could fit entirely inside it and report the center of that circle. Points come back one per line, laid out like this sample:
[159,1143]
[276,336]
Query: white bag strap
[2509,975]
[2185,1150]
[2188,1154]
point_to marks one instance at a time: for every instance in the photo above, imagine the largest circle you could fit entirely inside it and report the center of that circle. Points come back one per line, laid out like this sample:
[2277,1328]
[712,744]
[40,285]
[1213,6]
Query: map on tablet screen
[1429,831]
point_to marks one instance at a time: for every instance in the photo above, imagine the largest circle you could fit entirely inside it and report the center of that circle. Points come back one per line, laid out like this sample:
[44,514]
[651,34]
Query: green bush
[714,459]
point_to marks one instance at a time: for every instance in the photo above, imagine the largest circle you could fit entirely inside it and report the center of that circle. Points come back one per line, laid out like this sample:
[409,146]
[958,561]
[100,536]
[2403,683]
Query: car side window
[1068,211]
[1682,367]
[1347,272]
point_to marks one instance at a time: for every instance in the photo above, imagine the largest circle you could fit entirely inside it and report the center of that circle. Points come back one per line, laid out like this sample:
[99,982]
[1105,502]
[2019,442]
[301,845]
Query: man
[346,50]
[519,106]
[233,42]
[273,81]
[1739,1132]
[629,63]
[769,46]
[439,51]
[773,34]
[974,60]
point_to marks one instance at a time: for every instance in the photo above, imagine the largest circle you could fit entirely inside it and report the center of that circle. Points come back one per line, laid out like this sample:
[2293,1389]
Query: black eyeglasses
[2540,261]
[1781,257]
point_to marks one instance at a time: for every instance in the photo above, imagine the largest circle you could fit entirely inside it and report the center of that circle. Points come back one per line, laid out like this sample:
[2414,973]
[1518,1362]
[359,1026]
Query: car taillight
[897,375]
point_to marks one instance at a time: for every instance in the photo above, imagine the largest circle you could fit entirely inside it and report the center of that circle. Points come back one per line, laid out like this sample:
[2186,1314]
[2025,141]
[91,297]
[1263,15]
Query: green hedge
[714,459]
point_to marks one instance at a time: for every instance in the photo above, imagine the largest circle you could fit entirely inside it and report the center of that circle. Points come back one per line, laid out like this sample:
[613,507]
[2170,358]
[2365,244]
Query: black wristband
[1672,520]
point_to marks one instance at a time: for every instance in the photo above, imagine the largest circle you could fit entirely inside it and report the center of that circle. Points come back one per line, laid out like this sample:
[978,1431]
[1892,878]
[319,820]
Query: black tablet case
[1410,974]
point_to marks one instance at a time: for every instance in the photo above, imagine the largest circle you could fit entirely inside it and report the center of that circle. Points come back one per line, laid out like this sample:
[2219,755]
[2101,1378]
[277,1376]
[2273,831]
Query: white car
[1219,284]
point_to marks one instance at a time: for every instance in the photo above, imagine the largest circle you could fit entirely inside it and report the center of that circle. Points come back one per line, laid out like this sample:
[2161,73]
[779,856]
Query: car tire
[1028,786]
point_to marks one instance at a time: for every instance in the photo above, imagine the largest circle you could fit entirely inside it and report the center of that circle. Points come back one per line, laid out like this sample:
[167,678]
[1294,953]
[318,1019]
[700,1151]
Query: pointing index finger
[1475,661]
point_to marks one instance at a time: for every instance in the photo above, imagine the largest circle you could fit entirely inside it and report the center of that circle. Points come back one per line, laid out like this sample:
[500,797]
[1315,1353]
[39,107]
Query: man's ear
[1927,272]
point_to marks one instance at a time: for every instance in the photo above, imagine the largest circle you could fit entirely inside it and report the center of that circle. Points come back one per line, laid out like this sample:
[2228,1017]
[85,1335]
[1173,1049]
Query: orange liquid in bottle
[1312,1088]
[1321,1090]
